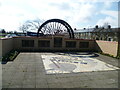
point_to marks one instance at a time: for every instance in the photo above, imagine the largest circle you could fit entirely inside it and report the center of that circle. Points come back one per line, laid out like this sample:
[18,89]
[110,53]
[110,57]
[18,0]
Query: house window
[57,42]
[27,43]
[84,44]
[43,43]
[70,44]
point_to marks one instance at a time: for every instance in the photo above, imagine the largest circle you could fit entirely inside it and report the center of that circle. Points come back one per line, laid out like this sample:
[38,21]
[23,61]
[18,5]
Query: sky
[78,13]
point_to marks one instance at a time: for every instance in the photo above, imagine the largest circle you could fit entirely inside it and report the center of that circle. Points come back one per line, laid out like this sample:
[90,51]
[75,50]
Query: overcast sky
[78,13]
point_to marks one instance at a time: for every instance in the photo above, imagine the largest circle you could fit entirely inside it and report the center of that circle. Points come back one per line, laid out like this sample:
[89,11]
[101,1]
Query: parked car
[10,35]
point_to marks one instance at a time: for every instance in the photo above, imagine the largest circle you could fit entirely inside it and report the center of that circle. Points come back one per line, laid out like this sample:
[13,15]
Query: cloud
[107,4]
[61,6]
[111,18]
[9,22]
[113,22]
[82,14]
[111,13]
[75,12]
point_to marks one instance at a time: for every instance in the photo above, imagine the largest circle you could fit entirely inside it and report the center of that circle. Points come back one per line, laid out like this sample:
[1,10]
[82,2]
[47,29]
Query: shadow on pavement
[79,54]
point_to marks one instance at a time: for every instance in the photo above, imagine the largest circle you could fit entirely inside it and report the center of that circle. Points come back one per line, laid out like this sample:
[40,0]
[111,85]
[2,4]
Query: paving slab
[28,71]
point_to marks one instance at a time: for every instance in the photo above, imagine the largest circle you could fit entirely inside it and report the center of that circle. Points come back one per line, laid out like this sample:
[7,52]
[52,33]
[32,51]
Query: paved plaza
[60,70]
[73,63]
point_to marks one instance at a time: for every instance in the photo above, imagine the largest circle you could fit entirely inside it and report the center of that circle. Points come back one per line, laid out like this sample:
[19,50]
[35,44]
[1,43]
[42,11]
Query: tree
[30,25]
[106,25]
[109,26]
[3,31]
[10,32]
[23,28]
[15,32]
[96,27]
[84,28]
[75,29]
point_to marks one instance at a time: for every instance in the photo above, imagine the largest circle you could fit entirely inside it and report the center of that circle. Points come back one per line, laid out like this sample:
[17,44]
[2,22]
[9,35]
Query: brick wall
[107,47]
[18,44]
[7,45]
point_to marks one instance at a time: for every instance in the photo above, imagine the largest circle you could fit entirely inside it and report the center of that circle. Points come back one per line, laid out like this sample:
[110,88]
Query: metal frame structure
[55,26]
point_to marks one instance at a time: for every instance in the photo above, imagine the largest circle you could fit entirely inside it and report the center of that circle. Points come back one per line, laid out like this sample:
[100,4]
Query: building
[106,34]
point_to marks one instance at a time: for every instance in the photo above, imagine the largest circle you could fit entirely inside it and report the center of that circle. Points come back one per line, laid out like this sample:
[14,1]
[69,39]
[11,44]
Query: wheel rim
[55,27]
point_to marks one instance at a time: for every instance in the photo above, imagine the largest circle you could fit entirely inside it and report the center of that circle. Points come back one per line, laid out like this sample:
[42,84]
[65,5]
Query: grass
[109,55]
[10,56]
[1,36]
[118,56]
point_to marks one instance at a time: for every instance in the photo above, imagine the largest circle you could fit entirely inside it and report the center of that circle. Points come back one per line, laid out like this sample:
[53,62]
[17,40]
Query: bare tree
[106,25]
[31,25]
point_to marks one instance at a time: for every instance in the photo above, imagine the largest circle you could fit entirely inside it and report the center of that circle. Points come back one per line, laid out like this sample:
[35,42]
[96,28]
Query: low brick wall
[18,44]
[107,47]
[6,45]
[119,50]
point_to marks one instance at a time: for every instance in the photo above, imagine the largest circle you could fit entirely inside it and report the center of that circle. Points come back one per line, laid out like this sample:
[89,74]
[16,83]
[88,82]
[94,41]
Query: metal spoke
[53,28]
[56,26]
[60,26]
[49,28]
